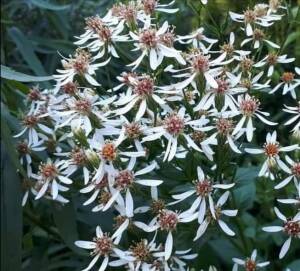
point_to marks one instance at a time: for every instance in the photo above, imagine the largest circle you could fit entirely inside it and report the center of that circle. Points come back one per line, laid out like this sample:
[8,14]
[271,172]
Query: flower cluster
[179,96]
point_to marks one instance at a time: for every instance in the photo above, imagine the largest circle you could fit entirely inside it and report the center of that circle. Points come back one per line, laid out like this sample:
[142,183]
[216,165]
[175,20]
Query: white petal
[168,246]
[285,248]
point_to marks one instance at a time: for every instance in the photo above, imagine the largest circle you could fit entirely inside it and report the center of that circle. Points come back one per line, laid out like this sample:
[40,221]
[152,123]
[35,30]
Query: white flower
[51,174]
[258,36]
[101,36]
[80,64]
[271,150]
[197,39]
[227,88]
[271,60]
[25,150]
[294,173]
[157,44]
[257,16]
[145,92]
[289,83]
[291,227]
[294,110]
[249,109]
[102,246]
[204,189]
[218,214]
[249,263]
[173,127]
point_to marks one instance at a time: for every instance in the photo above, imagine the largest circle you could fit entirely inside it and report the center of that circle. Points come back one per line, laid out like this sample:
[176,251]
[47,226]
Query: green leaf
[65,220]
[11,213]
[10,74]
[26,49]
[291,38]
[46,5]
[294,266]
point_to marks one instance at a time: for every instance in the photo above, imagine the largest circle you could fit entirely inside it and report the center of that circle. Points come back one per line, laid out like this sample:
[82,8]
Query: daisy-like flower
[125,179]
[172,127]
[271,60]
[80,64]
[252,83]
[257,16]
[167,220]
[294,173]
[257,38]
[289,83]
[199,64]
[33,126]
[271,150]
[140,256]
[249,109]
[197,39]
[218,213]
[25,150]
[144,91]
[101,36]
[51,174]
[226,89]
[150,6]
[291,227]
[102,246]
[249,264]
[294,110]
[79,111]
[203,189]
[157,44]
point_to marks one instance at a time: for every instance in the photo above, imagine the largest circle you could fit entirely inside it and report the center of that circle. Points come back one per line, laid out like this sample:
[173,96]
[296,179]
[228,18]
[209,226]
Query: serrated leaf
[10,74]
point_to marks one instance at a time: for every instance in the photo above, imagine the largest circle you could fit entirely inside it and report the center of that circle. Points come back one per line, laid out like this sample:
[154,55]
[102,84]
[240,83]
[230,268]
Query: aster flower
[249,108]
[249,264]
[226,89]
[144,91]
[257,16]
[257,38]
[289,83]
[157,44]
[199,64]
[102,37]
[219,212]
[293,172]
[50,175]
[291,227]
[203,189]
[273,59]
[150,6]
[167,220]
[294,110]
[172,127]
[25,150]
[197,39]
[81,64]
[102,246]
[271,150]
[252,83]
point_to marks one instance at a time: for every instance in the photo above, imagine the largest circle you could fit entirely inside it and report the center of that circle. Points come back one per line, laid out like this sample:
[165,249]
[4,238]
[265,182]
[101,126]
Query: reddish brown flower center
[23,148]
[258,34]
[48,171]
[168,220]
[167,39]
[30,121]
[70,88]
[174,124]
[296,169]
[246,64]
[149,6]
[141,251]
[124,179]
[34,94]
[249,105]
[228,48]
[203,188]
[200,63]
[271,149]
[249,16]
[157,206]
[83,106]
[287,77]
[133,130]
[78,156]
[250,265]
[148,38]
[224,126]
[109,152]
[144,87]
[104,245]
[223,86]
[272,59]
[292,228]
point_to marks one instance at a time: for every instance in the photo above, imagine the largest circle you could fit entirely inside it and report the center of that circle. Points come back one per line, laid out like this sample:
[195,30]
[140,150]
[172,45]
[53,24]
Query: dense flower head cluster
[207,98]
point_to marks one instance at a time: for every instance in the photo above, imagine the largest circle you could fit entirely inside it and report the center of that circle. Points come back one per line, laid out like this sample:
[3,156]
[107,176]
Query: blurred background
[33,32]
